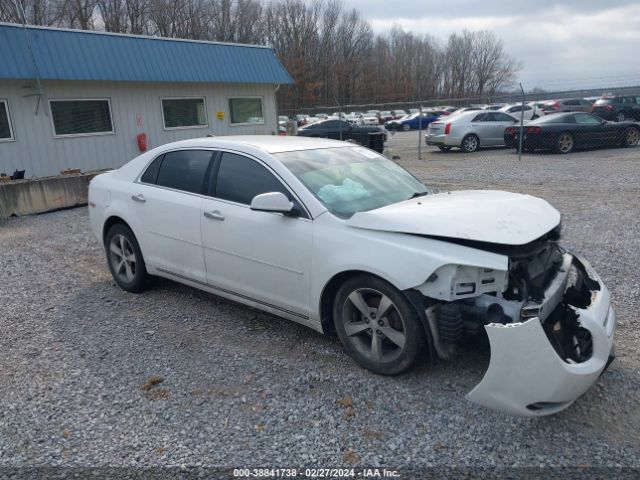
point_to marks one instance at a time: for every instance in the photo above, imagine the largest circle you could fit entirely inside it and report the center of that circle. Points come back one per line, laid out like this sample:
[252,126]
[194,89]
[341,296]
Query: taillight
[510,131]
[609,106]
[533,130]
[447,128]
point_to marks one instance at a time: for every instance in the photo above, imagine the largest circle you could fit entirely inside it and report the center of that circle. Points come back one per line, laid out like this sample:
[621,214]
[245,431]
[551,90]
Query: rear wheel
[632,137]
[470,143]
[564,143]
[125,259]
[377,325]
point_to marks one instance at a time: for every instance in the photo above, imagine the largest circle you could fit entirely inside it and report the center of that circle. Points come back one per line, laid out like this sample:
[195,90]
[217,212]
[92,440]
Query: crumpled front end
[540,366]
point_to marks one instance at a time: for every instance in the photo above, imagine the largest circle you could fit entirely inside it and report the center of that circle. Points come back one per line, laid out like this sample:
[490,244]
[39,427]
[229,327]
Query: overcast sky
[562,44]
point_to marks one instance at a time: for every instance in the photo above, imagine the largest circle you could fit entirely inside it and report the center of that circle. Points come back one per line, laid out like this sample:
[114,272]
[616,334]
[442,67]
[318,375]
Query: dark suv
[618,108]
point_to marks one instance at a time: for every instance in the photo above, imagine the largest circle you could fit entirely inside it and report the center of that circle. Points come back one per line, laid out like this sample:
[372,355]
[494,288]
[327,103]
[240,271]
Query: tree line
[331,52]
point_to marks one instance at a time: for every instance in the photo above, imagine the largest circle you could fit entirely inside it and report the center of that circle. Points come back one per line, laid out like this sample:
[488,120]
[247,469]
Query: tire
[128,270]
[406,127]
[565,143]
[621,117]
[387,342]
[470,143]
[631,137]
[444,148]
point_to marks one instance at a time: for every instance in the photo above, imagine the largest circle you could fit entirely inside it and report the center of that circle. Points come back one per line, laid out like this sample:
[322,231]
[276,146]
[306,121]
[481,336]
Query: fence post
[419,131]
[521,126]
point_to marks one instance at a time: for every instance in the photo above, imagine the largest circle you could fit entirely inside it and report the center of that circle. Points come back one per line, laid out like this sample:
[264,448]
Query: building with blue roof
[94,100]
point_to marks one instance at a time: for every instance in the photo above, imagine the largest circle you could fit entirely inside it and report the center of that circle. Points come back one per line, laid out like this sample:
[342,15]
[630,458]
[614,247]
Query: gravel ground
[94,376]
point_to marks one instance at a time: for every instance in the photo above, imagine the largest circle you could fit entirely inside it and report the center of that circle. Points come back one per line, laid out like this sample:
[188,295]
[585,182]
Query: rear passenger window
[185,170]
[480,118]
[240,179]
[151,173]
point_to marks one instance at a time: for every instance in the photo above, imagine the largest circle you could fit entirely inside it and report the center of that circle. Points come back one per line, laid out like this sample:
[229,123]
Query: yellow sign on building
[220,115]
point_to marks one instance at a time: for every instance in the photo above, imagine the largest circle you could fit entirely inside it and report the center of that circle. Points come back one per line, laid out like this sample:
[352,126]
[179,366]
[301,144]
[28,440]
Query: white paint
[525,369]
[481,215]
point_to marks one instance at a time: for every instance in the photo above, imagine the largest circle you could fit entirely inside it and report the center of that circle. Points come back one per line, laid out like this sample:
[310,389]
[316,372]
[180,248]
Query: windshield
[351,180]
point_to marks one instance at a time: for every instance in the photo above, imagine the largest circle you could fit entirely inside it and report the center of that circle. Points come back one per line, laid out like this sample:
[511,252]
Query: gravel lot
[237,387]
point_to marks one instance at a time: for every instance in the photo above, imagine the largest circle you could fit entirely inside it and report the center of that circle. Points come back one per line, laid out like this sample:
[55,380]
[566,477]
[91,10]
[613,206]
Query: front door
[262,256]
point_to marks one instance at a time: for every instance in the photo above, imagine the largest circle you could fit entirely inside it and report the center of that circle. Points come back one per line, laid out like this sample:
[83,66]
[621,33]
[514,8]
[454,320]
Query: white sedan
[343,240]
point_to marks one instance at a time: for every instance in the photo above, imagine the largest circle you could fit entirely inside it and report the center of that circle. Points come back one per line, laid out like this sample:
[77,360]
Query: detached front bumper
[526,375]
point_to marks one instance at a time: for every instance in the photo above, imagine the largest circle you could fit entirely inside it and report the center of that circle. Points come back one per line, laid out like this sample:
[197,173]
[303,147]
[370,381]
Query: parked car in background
[322,115]
[370,119]
[342,130]
[566,132]
[414,110]
[283,120]
[301,119]
[469,131]
[567,105]
[385,116]
[494,106]
[398,114]
[310,120]
[354,119]
[617,107]
[343,240]
[515,111]
[412,122]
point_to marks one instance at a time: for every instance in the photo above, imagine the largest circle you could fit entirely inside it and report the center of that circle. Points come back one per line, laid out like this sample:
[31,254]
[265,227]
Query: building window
[81,117]
[6,131]
[246,110]
[184,112]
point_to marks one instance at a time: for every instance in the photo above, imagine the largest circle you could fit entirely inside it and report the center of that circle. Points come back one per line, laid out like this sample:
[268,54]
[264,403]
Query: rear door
[481,126]
[166,202]
[499,122]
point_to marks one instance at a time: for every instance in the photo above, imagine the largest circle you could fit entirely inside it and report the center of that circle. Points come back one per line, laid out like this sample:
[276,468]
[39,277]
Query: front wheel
[406,127]
[564,143]
[470,143]
[377,325]
[125,259]
[621,117]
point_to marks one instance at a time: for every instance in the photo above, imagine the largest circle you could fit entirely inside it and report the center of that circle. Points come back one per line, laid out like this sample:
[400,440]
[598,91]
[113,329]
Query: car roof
[267,143]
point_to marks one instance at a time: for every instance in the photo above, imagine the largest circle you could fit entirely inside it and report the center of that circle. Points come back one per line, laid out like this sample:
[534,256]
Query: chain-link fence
[557,122]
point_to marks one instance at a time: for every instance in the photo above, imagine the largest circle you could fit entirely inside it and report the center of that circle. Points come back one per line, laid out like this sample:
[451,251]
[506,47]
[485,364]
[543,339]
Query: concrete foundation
[25,197]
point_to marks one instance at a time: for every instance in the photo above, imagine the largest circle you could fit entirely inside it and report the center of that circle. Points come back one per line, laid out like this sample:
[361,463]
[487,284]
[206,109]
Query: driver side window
[240,178]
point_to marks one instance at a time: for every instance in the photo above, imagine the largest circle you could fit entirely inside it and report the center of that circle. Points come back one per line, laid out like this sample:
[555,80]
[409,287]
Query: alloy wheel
[565,143]
[633,137]
[374,325]
[123,258]
[621,117]
[470,144]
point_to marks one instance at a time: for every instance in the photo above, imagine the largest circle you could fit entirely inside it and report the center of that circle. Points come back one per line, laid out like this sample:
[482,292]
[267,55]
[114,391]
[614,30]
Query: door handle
[138,198]
[214,215]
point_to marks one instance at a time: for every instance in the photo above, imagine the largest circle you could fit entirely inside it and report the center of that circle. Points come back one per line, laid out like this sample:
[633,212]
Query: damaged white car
[343,240]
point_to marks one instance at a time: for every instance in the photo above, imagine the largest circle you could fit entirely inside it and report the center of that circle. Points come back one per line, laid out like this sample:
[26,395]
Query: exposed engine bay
[546,304]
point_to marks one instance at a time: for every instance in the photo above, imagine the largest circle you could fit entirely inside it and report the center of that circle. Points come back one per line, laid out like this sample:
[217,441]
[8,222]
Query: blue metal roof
[61,54]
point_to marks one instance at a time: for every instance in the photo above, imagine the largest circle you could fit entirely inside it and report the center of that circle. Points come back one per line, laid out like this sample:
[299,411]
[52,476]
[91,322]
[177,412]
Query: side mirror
[272,202]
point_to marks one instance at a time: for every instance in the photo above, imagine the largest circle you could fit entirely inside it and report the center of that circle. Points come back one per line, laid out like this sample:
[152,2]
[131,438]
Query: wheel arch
[419,302]
[110,222]
[329,292]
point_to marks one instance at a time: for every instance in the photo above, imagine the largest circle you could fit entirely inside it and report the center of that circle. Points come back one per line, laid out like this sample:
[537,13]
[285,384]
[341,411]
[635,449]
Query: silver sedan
[469,130]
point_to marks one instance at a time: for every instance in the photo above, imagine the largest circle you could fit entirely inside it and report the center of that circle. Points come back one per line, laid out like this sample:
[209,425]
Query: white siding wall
[37,151]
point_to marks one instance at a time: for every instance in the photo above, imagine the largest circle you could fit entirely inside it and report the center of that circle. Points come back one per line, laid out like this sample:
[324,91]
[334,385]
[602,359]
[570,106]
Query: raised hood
[481,215]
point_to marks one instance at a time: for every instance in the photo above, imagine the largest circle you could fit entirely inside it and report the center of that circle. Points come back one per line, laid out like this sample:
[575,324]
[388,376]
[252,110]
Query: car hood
[479,215]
